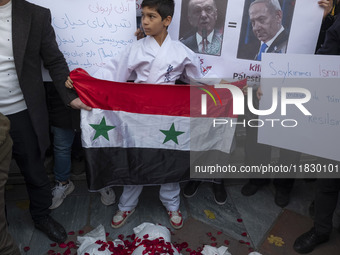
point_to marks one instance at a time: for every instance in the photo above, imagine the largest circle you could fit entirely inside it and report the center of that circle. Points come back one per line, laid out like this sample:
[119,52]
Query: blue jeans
[62,146]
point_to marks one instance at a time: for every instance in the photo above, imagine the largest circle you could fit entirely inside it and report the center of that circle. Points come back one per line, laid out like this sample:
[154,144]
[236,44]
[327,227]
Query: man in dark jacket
[28,39]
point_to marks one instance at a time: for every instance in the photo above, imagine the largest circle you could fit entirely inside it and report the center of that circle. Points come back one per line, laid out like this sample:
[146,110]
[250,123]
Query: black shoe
[191,188]
[282,197]
[249,189]
[308,241]
[52,229]
[220,195]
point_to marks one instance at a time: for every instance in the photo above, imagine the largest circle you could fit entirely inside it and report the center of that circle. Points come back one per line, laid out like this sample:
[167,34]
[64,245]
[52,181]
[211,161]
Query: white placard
[316,134]
[89,32]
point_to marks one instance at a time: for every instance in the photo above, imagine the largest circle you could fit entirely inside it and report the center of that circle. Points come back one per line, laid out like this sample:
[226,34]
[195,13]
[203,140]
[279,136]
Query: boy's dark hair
[165,8]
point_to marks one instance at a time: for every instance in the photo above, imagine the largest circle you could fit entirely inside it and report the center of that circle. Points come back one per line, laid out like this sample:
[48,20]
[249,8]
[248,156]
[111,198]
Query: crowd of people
[31,111]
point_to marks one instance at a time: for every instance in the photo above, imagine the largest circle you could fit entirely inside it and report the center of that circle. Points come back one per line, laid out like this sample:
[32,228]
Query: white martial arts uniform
[155,64]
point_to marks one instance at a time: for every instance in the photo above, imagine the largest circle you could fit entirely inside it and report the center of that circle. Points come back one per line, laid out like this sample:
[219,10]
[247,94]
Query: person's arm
[53,59]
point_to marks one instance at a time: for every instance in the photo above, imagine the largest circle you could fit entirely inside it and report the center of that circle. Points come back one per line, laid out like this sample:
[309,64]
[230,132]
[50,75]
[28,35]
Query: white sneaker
[59,192]
[108,196]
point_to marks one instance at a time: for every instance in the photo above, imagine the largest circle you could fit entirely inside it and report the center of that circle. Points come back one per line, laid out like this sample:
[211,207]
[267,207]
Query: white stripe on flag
[132,130]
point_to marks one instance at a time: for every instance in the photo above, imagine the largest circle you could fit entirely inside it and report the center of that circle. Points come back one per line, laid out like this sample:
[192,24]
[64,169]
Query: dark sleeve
[326,24]
[54,60]
[331,45]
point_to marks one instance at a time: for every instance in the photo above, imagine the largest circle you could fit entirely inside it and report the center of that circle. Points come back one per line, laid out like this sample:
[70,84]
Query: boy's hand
[78,104]
[69,83]
[139,33]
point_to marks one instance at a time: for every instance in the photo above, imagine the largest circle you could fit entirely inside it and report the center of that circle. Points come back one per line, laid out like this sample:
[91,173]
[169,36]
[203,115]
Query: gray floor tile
[258,211]
[73,212]
[225,215]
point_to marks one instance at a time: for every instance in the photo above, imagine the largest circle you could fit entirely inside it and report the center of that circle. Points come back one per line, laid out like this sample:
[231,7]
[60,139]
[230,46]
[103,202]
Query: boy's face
[152,22]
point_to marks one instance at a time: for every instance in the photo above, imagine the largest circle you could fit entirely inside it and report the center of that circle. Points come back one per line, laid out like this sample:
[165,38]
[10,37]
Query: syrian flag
[139,134]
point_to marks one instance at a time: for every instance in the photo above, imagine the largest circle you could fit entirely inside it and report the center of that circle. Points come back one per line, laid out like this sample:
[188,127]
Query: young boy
[154,59]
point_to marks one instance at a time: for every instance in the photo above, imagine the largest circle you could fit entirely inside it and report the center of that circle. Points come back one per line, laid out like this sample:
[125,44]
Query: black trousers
[27,154]
[326,199]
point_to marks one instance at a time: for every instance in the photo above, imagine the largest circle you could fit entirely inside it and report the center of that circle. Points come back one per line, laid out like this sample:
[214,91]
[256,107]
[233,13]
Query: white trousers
[168,194]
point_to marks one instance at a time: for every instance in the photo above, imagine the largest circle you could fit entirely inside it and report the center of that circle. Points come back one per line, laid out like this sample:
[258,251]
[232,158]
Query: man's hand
[327,5]
[259,93]
[78,104]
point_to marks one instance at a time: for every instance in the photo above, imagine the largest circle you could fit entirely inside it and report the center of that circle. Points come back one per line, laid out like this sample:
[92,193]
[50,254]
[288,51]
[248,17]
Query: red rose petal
[107,234]
[145,236]
[247,243]
[121,237]
[81,232]
[209,234]
[239,220]
[241,241]
[219,232]
[226,242]
[67,252]
[213,239]
[26,248]
[53,244]
[51,252]
[188,250]
[63,245]
[213,244]
[244,234]
[70,233]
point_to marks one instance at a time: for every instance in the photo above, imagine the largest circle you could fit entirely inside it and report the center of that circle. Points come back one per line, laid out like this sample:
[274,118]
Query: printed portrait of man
[266,28]
[202,25]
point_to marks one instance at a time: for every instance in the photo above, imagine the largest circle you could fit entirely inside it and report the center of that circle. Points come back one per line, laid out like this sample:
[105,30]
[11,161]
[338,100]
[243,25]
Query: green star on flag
[102,129]
[171,134]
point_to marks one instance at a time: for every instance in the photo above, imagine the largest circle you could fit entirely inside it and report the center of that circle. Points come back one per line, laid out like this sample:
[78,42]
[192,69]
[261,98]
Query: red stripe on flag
[172,100]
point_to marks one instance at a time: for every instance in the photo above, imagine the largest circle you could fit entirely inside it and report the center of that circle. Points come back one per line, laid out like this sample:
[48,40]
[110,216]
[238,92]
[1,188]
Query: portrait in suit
[202,25]
[265,28]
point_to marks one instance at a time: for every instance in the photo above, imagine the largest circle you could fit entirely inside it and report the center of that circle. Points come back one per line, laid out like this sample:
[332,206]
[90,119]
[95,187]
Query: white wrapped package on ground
[152,232]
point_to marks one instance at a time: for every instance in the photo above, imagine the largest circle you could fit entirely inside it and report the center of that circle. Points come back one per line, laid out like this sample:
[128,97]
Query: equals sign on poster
[232,24]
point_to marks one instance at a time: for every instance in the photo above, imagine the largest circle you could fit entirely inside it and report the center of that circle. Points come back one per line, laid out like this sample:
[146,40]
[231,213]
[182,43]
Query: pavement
[243,224]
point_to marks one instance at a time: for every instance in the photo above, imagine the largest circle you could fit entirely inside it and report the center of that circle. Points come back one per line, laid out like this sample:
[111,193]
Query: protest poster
[306,114]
